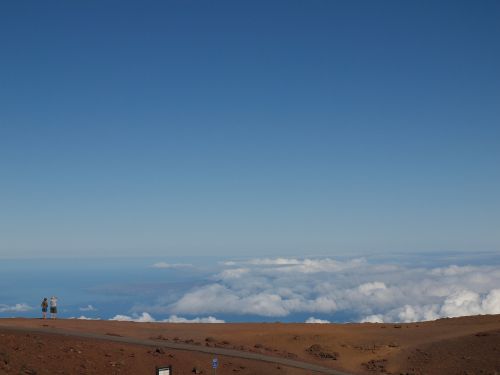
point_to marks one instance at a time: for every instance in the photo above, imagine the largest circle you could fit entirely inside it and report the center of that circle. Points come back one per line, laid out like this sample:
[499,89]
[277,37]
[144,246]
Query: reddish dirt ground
[45,354]
[468,345]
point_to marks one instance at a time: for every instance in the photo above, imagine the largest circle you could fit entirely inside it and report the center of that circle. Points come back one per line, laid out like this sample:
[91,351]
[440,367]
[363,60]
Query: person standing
[45,305]
[53,307]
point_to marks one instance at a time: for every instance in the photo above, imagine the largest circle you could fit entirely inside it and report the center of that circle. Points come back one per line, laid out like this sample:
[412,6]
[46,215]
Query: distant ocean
[288,289]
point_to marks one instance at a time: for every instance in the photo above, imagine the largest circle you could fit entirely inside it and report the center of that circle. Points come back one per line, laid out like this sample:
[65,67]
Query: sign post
[215,364]
[164,370]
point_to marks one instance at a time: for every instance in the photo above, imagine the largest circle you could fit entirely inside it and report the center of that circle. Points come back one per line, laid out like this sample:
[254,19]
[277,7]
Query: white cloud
[83,317]
[147,318]
[313,320]
[467,302]
[18,307]
[491,303]
[88,308]
[376,318]
[417,313]
[166,265]
[371,288]
[122,318]
[178,319]
[143,318]
[461,303]
[279,287]
[233,273]
[218,298]
[301,265]
[274,262]
[452,270]
[215,298]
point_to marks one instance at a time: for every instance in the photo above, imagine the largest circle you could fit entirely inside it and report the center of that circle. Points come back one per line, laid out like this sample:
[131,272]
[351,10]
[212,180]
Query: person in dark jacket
[45,305]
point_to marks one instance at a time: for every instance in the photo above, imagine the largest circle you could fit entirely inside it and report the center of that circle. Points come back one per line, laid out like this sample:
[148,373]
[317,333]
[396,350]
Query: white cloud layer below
[88,308]
[368,292]
[18,307]
[83,317]
[313,320]
[147,318]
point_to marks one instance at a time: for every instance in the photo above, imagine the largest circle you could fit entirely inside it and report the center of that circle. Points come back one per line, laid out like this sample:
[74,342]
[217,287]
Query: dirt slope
[468,345]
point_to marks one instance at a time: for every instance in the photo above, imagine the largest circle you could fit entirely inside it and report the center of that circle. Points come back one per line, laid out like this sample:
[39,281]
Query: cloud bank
[18,307]
[313,320]
[375,292]
[83,317]
[147,318]
[178,319]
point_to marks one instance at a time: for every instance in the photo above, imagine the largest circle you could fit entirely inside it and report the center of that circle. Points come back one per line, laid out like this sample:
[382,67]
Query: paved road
[178,346]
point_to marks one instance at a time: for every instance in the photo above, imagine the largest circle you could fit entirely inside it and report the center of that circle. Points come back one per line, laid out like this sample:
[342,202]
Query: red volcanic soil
[468,345]
[22,353]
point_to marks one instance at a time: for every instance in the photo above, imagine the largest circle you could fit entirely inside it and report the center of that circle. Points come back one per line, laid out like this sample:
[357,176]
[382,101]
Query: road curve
[178,346]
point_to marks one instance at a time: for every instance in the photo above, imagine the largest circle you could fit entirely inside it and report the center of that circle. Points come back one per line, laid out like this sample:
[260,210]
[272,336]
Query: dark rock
[321,352]
[28,371]
[376,365]
[4,358]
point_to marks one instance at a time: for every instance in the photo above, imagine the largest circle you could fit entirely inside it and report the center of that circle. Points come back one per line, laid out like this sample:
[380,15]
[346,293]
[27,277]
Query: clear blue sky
[249,127]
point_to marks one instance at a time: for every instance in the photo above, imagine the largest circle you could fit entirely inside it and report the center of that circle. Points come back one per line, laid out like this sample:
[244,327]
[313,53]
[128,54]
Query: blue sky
[249,128]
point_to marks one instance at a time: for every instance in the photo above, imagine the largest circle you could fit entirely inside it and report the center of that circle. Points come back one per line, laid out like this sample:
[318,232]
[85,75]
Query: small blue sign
[215,363]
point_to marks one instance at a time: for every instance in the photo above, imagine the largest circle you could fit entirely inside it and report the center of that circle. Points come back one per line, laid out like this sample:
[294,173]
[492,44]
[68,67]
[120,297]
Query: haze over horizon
[248,129]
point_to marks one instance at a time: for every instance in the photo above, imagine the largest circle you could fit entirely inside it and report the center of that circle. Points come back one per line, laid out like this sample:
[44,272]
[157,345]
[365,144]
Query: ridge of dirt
[436,347]
[178,346]
[469,354]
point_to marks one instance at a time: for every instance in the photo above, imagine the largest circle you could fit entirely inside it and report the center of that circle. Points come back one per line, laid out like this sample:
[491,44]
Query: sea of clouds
[367,292]
[310,290]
